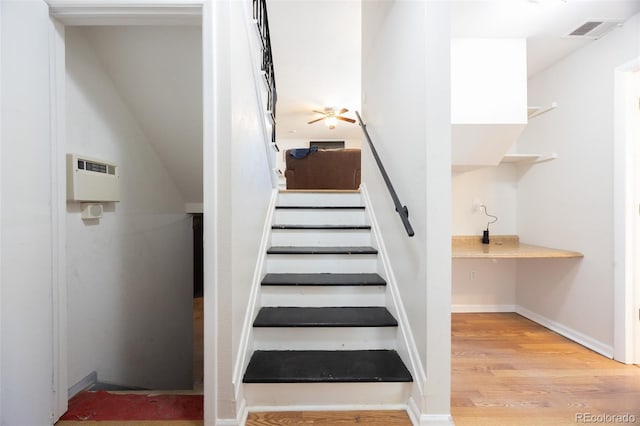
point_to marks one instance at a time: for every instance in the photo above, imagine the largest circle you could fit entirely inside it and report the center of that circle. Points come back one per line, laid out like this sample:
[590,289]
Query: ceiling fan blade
[317,119]
[320,112]
[350,120]
[343,110]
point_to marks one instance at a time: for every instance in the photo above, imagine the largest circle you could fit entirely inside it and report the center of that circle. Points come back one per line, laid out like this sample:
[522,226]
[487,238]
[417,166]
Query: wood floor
[507,370]
[371,418]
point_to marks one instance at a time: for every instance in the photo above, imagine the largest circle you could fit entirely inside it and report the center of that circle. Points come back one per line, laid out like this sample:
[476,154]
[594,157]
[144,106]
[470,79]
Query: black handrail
[260,15]
[402,210]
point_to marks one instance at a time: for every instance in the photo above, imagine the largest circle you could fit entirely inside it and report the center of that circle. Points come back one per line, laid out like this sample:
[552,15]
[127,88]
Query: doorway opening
[134,97]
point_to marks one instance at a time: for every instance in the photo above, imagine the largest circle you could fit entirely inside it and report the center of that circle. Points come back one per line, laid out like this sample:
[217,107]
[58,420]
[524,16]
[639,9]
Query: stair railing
[402,210]
[262,21]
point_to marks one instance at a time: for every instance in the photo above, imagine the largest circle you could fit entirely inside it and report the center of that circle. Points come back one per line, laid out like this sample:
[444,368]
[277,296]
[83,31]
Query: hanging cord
[495,218]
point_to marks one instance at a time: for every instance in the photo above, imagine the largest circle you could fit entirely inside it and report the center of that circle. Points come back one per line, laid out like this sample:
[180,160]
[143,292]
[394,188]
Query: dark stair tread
[326,366]
[323,279]
[357,316]
[319,207]
[321,227]
[321,250]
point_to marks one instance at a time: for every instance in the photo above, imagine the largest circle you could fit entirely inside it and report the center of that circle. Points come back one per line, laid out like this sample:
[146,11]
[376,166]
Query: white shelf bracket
[536,111]
[545,158]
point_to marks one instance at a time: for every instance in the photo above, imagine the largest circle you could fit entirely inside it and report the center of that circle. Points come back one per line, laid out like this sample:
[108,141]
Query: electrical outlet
[475,206]
[472,275]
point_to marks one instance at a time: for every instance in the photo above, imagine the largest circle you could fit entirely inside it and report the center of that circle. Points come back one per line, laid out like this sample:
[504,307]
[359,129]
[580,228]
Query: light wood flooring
[507,370]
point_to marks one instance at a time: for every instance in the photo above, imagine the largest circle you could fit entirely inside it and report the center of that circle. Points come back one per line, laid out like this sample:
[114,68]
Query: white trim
[569,333]
[405,336]
[227,422]
[1,298]
[193,207]
[419,419]
[126,12]
[57,102]
[320,407]
[242,412]
[210,185]
[463,308]
[626,327]
[246,338]
[259,81]
[120,12]
[84,383]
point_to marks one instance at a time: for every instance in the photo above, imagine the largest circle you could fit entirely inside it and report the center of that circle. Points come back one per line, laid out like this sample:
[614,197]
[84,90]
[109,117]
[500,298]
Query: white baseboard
[335,407]
[406,343]
[420,419]
[569,333]
[228,422]
[436,420]
[462,308]
[244,350]
[84,383]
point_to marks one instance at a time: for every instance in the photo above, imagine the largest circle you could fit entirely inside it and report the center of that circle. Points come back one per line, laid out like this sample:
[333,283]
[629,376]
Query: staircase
[323,335]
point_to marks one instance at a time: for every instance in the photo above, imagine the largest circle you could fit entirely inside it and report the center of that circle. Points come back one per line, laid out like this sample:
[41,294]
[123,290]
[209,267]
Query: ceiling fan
[332,116]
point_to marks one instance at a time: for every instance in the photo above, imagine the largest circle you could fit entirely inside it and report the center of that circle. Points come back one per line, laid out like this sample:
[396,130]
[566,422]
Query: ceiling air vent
[594,29]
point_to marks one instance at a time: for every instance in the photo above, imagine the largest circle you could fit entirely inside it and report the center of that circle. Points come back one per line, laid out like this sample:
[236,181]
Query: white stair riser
[322,395]
[305,296]
[319,199]
[324,238]
[334,396]
[320,217]
[317,263]
[324,338]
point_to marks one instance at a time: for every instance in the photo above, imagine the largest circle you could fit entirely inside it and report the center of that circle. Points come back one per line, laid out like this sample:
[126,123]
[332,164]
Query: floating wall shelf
[528,158]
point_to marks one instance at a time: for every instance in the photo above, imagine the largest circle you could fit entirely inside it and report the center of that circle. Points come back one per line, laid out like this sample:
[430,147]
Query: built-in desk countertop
[503,247]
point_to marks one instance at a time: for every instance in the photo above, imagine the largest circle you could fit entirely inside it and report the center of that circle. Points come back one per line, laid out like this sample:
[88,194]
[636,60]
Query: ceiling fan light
[331,122]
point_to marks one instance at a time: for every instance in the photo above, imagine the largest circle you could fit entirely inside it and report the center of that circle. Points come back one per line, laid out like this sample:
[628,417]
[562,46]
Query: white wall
[27,192]
[236,198]
[496,188]
[568,203]
[413,142]
[149,65]
[130,277]
[484,285]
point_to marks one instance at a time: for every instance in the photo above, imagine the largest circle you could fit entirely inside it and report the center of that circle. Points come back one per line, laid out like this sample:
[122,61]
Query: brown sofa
[330,169]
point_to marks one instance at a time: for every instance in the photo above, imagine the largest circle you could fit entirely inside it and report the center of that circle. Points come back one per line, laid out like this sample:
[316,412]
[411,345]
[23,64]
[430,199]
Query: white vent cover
[594,29]
[92,180]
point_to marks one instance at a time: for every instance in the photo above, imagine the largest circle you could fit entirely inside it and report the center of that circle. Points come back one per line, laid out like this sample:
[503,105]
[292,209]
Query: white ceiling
[316,46]
[157,71]
[544,23]
[316,54]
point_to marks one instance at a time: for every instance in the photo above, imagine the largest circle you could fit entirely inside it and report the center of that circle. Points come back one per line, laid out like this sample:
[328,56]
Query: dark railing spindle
[260,15]
[402,210]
